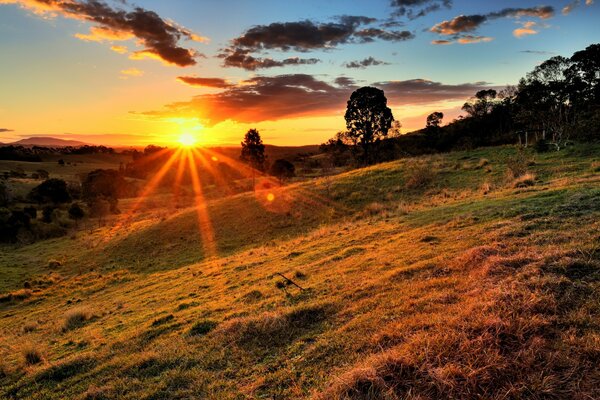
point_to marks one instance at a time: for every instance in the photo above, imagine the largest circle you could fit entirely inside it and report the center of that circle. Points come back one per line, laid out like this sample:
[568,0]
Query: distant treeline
[557,102]
[35,153]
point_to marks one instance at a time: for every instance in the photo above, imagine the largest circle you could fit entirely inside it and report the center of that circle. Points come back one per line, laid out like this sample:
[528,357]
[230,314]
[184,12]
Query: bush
[76,318]
[51,191]
[203,327]
[524,181]
[32,355]
[541,146]
[420,175]
[517,165]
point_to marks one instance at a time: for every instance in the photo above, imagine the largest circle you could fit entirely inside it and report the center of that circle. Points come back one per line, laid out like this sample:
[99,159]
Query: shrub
[517,165]
[525,180]
[29,327]
[420,175]
[76,318]
[32,355]
[163,320]
[541,146]
[203,327]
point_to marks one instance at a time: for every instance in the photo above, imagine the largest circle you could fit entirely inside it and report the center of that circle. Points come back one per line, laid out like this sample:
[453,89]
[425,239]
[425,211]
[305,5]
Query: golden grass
[441,292]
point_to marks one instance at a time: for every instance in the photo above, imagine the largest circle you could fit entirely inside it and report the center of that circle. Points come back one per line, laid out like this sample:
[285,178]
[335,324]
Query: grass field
[433,277]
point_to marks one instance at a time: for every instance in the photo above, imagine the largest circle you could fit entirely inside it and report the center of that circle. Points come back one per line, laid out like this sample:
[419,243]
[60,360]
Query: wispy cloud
[367,62]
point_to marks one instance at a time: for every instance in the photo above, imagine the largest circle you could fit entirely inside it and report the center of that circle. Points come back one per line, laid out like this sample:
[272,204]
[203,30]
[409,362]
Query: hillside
[432,277]
[47,141]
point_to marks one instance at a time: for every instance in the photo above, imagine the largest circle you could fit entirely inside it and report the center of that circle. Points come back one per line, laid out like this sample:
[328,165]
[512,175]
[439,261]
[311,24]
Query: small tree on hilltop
[432,128]
[368,120]
[283,169]
[253,152]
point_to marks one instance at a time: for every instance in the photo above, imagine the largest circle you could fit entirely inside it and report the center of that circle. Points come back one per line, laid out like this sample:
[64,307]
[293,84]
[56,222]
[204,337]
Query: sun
[187,140]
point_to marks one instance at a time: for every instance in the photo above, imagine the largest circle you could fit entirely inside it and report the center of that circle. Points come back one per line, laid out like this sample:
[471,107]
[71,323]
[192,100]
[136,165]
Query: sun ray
[148,189]
[204,223]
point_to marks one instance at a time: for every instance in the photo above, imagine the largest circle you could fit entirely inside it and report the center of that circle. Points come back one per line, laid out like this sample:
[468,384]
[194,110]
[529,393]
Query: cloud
[573,5]
[205,82]
[418,8]
[442,42]
[302,36]
[460,26]
[367,62]
[131,72]
[344,81]
[159,37]
[526,29]
[539,52]
[119,49]
[6,130]
[468,39]
[268,98]
[241,58]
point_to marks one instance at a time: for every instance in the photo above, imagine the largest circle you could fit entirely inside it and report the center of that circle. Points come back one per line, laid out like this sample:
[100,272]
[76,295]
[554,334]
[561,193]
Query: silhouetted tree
[31,212]
[283,169]
[76,212]
[51,191]
[434,119]
[253,152]
[368,119]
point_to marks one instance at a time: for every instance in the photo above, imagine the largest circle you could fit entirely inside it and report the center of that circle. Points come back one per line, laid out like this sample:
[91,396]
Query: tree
[482,104]
[368,120]
[434,119]
[283,169]
[100,208]
[105,184]
[253,152]
[51,191]
[76,212]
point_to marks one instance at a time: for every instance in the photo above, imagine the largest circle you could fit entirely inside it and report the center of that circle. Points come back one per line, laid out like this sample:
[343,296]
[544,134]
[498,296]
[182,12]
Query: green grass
[435,290]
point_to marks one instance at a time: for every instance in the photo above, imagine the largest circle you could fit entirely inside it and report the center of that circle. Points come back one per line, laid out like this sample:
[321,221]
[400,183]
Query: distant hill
[47,141]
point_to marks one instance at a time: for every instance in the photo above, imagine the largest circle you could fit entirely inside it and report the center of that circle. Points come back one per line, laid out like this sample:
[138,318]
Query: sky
[122,73]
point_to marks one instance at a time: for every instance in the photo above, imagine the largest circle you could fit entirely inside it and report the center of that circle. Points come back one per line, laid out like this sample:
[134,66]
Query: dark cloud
[418,8]
[344,81]
[469,23]
[367,62]
[370,34]
[205,82]
[6,130]
[303,36]
[287,96]
[539,52]
[241,58]
[159,37]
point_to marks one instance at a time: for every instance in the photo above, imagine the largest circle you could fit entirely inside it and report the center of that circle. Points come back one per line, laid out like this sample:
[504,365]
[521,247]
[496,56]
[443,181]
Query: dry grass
[420,175]
[31,355]
[452,295]
[525,180]
[76,318]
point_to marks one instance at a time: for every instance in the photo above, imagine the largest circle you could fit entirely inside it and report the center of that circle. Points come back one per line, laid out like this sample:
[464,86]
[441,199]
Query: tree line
[557,102]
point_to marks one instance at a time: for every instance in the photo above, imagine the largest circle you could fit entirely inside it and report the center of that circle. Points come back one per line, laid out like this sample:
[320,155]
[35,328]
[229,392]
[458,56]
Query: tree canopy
[368,119]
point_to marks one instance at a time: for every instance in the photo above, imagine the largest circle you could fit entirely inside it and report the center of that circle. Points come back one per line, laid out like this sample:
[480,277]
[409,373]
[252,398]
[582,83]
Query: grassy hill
[434,277]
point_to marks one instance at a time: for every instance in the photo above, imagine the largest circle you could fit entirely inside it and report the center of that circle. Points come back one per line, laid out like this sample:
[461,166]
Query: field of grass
[434,277]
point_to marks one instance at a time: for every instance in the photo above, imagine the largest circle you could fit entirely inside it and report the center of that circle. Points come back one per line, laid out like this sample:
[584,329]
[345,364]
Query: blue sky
[56,83]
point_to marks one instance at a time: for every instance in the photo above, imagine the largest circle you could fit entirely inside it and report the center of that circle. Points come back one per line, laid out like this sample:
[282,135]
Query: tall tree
[368,119]
[253,152]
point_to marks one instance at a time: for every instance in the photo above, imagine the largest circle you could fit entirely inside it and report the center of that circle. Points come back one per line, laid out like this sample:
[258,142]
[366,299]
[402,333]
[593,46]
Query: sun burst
[187,140]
